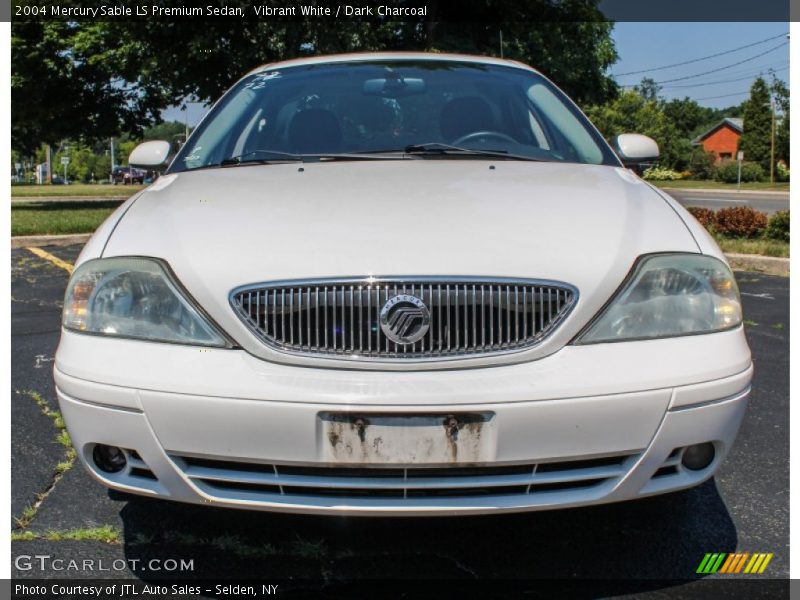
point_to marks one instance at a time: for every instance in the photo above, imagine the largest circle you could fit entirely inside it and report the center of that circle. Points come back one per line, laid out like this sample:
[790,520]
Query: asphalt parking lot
[643,546]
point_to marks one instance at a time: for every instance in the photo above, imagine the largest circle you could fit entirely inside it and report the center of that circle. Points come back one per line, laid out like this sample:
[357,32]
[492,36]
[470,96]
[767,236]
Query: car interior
[378,109]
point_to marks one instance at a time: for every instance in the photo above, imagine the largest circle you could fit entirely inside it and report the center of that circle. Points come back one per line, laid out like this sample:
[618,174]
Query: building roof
[734,123]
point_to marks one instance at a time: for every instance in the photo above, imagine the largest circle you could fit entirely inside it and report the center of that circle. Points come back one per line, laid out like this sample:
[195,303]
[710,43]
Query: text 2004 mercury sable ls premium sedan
[401,284]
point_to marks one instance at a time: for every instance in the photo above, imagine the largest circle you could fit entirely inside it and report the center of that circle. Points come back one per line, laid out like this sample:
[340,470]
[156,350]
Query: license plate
[430,439]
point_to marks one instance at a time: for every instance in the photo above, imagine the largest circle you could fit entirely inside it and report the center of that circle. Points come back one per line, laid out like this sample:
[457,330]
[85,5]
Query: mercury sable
[401,284]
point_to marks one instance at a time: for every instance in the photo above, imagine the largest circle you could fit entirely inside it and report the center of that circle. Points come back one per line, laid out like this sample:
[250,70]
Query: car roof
[392,56]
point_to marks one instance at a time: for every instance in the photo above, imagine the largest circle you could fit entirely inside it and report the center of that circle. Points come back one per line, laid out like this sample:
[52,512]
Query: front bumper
[259,446]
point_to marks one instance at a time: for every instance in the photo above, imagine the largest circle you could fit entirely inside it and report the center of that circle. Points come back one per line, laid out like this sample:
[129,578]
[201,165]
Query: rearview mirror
[635,149]
[394,87]
[150,155]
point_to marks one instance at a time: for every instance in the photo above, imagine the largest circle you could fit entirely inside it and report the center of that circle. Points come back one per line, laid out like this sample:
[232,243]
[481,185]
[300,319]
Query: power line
[722,68]
[694,85]
[688,62]
[756,68]
[750,71]
[744,73]
[722,96]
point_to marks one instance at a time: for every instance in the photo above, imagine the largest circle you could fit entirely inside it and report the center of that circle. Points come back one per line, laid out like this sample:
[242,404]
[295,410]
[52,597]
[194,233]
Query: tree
[688,117]
[631,113]
[730,111]
[780,92]
[102,78]
[756,137]
[168,131]
[648,89]
[124,149]
[61,88]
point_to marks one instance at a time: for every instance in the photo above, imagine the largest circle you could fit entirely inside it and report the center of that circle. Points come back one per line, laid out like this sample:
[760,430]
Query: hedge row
[729,172]
[744,222]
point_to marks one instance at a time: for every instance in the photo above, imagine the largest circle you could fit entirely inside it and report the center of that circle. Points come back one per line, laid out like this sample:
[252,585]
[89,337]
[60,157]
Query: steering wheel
[484,134]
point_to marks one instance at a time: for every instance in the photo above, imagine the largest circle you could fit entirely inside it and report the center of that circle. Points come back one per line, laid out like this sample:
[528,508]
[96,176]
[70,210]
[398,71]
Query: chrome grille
[342,318]
[231,479]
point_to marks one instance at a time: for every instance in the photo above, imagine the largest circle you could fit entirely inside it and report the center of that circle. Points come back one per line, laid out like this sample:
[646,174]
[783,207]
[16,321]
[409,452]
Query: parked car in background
[127,175]
[401,284]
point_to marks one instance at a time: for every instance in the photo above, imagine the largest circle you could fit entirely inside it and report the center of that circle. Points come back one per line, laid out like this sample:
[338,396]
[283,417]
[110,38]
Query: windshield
[393,107]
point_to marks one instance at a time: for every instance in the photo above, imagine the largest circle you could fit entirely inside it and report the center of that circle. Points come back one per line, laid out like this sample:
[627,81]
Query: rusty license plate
[429,439]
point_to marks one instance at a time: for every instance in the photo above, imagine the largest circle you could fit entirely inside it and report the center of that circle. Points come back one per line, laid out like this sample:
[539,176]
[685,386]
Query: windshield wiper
[268,157]
[275,156]
[439,149]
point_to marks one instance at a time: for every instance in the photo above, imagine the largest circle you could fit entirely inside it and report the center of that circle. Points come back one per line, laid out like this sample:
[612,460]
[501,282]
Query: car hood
[222,228]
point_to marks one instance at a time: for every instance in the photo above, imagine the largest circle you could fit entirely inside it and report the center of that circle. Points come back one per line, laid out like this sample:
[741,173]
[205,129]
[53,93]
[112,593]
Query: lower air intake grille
[267,482]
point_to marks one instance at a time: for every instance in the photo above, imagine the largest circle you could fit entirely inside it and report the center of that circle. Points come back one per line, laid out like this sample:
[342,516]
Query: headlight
[669,295]
[134,298]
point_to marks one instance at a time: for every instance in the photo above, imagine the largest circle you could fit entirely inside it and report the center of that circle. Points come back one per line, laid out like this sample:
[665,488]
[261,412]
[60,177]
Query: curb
[725,191]
[769,265]
[25,241]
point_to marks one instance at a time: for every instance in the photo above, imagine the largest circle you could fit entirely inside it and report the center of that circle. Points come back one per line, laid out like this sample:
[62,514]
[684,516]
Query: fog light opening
[109,459]
[698,456]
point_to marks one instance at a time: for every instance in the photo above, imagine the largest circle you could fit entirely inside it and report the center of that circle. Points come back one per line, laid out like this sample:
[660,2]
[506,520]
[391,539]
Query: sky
[648,46]
[644,46]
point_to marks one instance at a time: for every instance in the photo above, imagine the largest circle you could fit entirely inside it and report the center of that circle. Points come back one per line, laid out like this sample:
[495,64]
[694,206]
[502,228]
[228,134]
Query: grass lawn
[30,218]
[755,246]
[718,185]
[76,190]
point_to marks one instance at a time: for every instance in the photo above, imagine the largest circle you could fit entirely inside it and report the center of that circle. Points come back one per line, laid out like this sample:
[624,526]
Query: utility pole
[111,175]
[501,43]
[49,176]
[772,147]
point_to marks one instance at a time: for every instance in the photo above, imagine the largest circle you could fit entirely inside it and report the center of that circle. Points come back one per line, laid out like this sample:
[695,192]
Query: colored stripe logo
[737,562]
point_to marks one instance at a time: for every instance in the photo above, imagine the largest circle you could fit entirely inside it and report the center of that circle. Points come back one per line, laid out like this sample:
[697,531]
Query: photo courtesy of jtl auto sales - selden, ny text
[399,299]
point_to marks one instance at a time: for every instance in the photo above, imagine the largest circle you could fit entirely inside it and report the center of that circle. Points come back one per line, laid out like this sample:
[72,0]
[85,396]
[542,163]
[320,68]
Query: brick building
[722,139]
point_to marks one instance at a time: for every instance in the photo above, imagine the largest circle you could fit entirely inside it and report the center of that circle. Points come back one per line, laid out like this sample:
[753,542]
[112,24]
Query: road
[640,548]
[768,202]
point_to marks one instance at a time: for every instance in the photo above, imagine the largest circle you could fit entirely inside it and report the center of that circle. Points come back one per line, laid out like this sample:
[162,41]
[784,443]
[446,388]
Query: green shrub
[740,221]
[753,172]
[729,172]
[704,215]
[661,174]
[778,226]
[781,172]
[703,165]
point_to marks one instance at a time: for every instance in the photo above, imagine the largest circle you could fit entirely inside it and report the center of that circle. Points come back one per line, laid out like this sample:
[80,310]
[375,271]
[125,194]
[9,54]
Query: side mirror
[635,149]
[150,155]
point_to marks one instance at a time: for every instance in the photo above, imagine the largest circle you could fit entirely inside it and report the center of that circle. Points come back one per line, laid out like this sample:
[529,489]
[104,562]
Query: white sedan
[401,284]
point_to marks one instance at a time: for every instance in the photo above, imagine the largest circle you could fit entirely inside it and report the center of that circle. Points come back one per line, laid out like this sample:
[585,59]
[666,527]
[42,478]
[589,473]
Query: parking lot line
[53,259]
